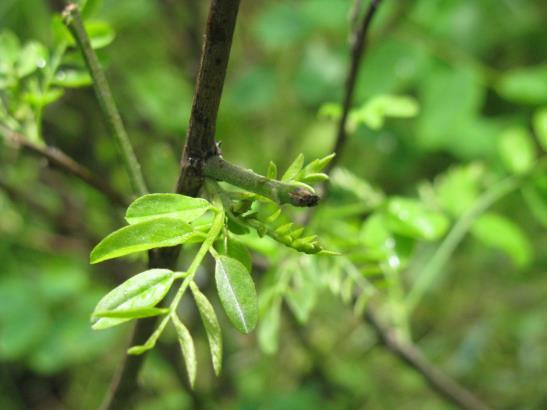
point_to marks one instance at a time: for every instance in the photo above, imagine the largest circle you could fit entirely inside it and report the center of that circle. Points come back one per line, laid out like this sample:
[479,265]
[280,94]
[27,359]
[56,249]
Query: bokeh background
[476,68]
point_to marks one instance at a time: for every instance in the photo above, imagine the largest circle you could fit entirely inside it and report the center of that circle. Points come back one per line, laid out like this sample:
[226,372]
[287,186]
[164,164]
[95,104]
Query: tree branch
[59,159]
[358,42]
[413,357]
[73,20]
[281,192]
[200,138]
[199,146]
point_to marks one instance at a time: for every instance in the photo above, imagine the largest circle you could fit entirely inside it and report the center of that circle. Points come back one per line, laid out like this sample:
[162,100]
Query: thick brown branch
[200,145]
[412,356]
[62,161]
[200,138]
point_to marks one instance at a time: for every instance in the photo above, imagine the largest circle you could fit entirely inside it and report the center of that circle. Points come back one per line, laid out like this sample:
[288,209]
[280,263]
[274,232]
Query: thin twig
[59,159]
[358,42]
[436,378]
[73,20]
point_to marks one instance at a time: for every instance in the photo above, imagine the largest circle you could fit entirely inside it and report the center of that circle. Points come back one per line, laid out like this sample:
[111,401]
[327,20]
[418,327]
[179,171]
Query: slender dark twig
[59,159]
[436,378]
[358,43]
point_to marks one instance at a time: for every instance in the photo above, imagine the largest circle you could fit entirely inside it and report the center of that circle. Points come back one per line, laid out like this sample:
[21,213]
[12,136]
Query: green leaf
[409,217]
[540,126]
[100,33]
[458,188]
[293,169]
[31,56]
[272,170]
[188,350]
[501,233]
[317,165]
[268,330]
[40,99]
[212,327]
[237,250]
[141,291]
[71,78]
[9,50]
[137,313]
[516,149]
[154,206]
[524,85]
[143,236]
[536,200]
[374,112]
[237,293]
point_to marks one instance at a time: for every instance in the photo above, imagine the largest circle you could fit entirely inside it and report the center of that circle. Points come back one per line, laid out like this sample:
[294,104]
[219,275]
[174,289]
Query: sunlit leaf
[32,56]
[154,206]
[237,293]
[212,327]
[142,291]
[71,78]
[458,188]
[188,350]
[143,236]
[293,169]
[524,85]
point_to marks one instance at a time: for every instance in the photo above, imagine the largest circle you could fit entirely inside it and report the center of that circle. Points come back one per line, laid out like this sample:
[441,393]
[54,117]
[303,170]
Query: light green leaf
[141,291]
[137,313]
[154,206]
[143,236]
[524,85]
[39,99]
[32,56]
[100,33]
[188,350]
[237,293]
[409,217]
[9,50]
[293,169]
[374,112]
[516,149]
[540,126]
[458,188]
[272,170]
[71,78]
[499,232]
[317,165]
[212,327]
[536,200]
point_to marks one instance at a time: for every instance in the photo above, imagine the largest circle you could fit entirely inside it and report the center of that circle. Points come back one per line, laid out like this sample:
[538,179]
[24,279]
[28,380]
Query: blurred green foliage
[450,106]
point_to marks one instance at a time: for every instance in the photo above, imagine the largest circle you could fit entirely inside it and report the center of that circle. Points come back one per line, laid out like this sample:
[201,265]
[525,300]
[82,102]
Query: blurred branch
[73,20]
[199,146]
[358,42]
[413,357]
[62,161]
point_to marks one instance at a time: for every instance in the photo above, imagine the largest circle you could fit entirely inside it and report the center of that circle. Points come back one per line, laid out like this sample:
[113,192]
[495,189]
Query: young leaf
[237,293]
[272,170]
[153,206]
[212,327]
[294,168]
[187,346]
[141,291]
[143,236]
[317,165]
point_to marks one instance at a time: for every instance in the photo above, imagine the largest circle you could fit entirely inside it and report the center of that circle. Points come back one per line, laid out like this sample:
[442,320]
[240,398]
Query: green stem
[283,193]
[73,20]
[433,270]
